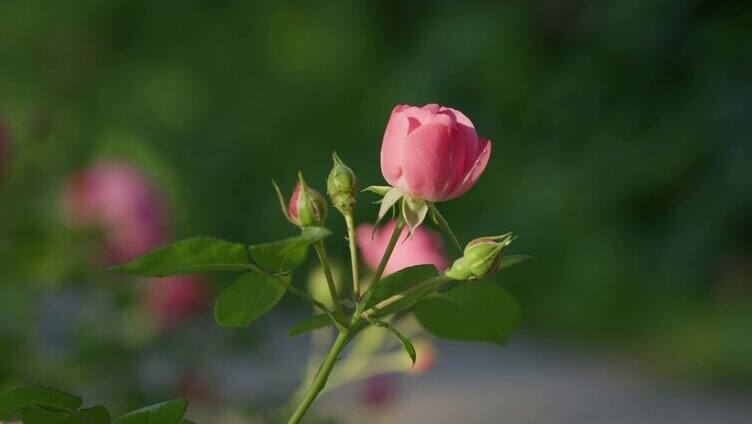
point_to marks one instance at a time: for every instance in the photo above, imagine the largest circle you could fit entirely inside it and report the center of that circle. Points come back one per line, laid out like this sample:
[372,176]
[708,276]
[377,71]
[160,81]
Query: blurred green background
[622,158]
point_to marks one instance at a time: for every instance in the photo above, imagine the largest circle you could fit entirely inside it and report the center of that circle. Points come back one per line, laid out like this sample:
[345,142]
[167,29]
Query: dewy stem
[321,377]
[384,260]
[351,238]
[324,258]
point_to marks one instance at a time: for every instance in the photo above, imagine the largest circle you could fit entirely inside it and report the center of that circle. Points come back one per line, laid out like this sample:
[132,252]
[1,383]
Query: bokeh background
[622,158]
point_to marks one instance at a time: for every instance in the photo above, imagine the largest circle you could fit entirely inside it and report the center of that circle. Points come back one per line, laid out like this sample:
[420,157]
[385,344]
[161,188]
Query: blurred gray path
[531,383]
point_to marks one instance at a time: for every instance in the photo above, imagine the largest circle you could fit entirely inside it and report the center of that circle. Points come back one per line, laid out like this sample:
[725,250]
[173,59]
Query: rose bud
[307,206]
[424,247]
[432,152]
[482,258]
[342,186]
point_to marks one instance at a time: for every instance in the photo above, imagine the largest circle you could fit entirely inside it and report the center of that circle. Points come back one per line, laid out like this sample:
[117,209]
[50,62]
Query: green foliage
[479,311]
[248,298]
[46,405]
[189,256]
[170,412]
[23,397]
[398,282]
[288,254]
[311,324]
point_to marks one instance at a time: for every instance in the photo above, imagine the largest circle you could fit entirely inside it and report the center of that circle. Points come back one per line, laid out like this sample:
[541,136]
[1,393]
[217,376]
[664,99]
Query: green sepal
[379,190]
[388,201]
[404,341]
[414,212]
[442,224]
[282,202]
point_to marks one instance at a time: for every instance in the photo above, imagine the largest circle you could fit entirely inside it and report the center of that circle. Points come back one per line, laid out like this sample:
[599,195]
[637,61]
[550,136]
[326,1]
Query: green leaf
[288,254]
[399,282]
[96,414]
[379,190]
[406,344]
[480,311]
[193,255]
[512,260]
[310,324]
[37,415]
[23,397]
[248,298]
[442,224]
[170,412]
[390,199]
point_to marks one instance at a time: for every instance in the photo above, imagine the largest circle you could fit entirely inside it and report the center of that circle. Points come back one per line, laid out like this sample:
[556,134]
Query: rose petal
[394,136]
[428,157]
[474,173]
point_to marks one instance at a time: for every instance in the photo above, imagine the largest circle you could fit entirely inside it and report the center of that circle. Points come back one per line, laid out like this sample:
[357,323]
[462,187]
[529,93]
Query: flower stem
[321,377]
[324,258]
[351,237]
[425,286]
[384,260]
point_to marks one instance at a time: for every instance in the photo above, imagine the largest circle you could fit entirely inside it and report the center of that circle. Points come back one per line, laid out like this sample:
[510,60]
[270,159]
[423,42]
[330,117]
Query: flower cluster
[429,154]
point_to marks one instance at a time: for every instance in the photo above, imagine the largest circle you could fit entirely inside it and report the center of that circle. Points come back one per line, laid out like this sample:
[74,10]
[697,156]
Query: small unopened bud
[342,186]
[307,206]
[482,258]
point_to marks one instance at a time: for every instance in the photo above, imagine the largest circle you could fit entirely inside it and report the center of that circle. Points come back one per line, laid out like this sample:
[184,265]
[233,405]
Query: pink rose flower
[432,152]
[174,298]
[424,247]
[117,198]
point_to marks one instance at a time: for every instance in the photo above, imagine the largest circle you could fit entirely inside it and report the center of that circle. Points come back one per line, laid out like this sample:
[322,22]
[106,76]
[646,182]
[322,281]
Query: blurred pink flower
[424,247]
[379,390]
[425,354]
[117,197]
[174,298]
[432,152]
